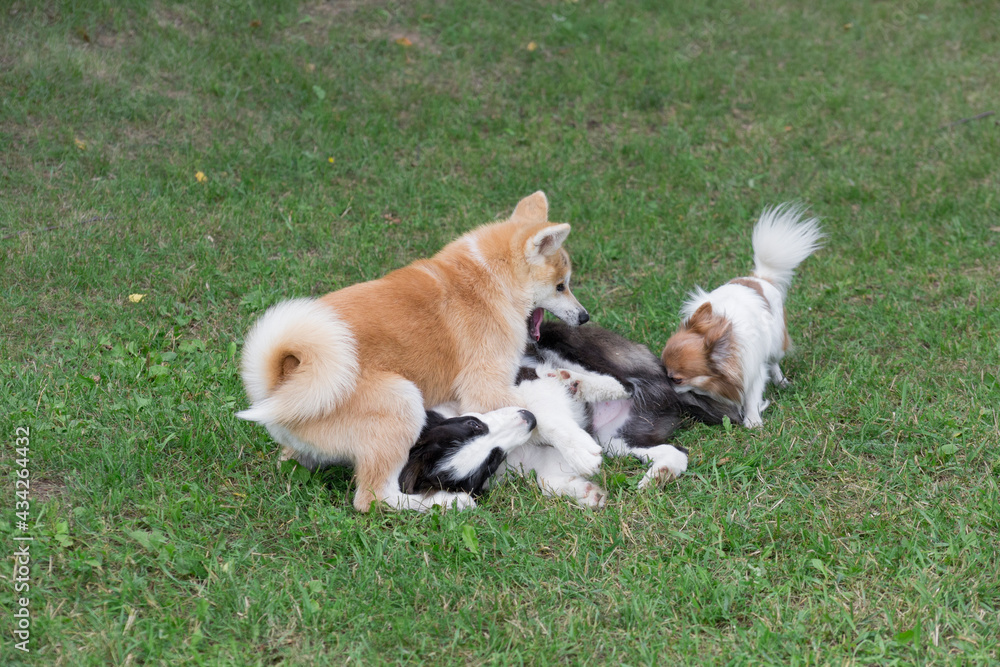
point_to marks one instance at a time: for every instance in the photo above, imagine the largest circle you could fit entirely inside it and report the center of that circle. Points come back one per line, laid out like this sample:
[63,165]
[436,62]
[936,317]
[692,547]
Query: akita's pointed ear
[533,208]
[547,241]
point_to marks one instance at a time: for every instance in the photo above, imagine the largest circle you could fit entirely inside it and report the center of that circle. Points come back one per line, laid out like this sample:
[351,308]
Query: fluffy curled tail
[782,239]
[299,361]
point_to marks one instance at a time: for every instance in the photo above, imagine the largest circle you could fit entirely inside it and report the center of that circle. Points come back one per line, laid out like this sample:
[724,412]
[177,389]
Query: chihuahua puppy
[732,339]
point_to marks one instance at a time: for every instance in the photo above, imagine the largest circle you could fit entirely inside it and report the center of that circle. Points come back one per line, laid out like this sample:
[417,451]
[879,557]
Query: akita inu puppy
[345,378]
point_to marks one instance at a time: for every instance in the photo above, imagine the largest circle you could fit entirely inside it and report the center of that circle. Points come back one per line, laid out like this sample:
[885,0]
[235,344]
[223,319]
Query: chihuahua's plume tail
[782,239]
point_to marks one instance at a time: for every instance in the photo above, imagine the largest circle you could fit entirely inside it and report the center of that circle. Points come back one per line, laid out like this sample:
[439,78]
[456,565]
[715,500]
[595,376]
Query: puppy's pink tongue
[536,323]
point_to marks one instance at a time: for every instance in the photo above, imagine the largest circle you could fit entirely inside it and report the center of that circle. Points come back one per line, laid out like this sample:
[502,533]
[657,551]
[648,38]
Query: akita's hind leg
[386,418]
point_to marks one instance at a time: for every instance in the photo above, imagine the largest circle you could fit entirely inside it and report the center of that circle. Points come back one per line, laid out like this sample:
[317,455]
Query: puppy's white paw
[594,388]
[657,475]
[584,458]
[777,377]
[589,387]
[569,379]
[450,500]
[592,496]
[753,421]
[584,492]
[666,463]
[604,388]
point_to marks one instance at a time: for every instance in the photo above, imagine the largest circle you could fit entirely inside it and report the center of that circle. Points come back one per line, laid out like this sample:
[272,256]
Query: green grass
[859,526]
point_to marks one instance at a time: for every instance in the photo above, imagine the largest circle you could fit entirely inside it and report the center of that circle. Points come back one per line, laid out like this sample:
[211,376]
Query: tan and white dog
[733,338]
[345,378]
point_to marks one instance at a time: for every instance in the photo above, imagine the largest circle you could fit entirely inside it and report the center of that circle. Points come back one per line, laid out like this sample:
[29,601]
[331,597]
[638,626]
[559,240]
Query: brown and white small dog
[732,339]
[345,378]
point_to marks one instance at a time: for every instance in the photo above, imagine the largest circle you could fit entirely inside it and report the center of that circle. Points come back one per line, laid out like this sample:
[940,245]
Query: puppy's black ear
[433,419]
[411,476]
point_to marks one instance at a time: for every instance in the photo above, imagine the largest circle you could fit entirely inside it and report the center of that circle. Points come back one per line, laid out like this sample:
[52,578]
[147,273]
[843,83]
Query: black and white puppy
[588,388]
[562,400]
[461,453]
[639,425]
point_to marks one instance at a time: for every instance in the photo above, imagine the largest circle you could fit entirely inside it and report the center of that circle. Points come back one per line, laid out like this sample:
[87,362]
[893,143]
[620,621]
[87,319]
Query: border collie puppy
[461,453]
[732,338]
[642,423]
[562,400]
[587,387]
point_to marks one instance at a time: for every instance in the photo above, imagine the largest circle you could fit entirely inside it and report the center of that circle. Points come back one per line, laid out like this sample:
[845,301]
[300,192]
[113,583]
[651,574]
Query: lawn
[168,171]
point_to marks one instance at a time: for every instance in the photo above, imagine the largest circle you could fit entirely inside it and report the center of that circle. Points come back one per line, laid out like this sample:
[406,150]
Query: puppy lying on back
[640,423]
[587,387]
[460,453]
[732,338]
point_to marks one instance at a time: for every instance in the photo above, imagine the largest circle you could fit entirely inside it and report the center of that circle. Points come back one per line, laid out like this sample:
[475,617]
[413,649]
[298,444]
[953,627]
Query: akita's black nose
[584,317]
[529,418]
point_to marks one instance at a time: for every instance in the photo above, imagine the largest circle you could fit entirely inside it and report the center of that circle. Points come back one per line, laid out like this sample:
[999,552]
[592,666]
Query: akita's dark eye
[561,287]
[474,424]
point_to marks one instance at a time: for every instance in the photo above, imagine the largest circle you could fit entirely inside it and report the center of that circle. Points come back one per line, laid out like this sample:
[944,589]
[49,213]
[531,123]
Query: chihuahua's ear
[533,208]
[719,341]
[701,320]
[546,242]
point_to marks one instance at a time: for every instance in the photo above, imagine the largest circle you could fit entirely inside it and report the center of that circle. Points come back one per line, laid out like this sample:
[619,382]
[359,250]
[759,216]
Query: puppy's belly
[609,417]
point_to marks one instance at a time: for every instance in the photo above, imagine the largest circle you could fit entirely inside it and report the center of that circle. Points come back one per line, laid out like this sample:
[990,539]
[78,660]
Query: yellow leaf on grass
[135,298]
[81,144]
[532,46]
[200,176]
[403,41]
